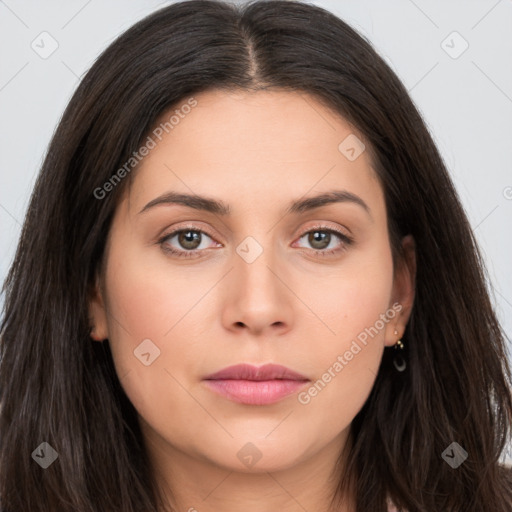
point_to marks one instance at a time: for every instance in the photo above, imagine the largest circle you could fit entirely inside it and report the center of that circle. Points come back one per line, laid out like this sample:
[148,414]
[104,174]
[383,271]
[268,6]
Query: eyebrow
[220,208]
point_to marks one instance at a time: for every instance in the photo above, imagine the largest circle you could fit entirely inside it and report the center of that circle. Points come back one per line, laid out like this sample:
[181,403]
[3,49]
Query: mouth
[251,385]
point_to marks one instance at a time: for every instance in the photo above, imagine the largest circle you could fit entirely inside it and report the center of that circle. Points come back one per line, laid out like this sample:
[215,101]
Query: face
[310,287]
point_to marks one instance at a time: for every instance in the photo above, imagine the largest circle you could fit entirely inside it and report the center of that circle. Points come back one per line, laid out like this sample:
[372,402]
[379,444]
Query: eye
[323,240]
[190,242]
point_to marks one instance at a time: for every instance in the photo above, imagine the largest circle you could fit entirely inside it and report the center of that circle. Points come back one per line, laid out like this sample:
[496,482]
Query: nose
[257,295]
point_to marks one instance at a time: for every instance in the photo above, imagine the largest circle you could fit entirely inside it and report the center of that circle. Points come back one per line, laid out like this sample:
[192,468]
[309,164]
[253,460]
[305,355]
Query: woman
[245,280]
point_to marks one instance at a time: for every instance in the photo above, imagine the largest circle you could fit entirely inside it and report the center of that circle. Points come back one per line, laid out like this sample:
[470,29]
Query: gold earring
[398,360]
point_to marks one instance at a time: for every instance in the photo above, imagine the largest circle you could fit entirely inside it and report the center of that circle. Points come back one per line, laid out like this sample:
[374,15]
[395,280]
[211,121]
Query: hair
[60,387]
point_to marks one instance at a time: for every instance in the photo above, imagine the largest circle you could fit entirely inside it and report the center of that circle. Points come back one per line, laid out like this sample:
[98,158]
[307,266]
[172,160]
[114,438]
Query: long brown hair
[59,387]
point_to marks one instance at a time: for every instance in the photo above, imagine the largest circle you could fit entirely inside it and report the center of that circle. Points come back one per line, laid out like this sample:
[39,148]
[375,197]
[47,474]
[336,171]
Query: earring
[398,360]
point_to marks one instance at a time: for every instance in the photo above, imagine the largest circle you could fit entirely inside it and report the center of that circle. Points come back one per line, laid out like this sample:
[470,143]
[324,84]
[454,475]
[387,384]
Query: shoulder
[392,507]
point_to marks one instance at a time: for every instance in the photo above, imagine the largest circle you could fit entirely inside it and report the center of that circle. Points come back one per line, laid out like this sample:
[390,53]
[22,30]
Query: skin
[256,152]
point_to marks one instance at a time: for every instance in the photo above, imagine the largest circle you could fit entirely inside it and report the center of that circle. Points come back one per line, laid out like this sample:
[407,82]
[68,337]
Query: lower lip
[255,392]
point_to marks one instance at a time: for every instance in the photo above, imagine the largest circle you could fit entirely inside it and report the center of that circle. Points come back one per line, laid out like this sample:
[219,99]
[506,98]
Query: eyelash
[346,240]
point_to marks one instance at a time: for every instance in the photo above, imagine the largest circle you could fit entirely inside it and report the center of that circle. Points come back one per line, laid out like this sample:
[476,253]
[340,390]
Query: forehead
[275,145]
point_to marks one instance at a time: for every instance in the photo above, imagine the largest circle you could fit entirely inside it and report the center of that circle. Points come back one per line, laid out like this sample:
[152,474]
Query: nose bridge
[255,262]
[257,295]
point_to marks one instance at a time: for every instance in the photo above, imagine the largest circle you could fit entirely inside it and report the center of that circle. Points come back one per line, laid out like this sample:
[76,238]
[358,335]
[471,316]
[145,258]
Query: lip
[250,372]
[253,385]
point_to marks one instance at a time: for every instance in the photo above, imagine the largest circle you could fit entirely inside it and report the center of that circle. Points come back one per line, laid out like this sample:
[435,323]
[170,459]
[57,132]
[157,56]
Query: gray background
[465,97]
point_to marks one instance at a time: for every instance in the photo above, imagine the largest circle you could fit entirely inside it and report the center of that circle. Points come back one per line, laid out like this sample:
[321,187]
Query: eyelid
[187,227]
[326,226]
[190,225]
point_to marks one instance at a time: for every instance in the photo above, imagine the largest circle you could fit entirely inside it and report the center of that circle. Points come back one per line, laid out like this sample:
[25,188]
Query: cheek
[147,295]
[149,306]
[351,298]
[151,310]
[354,307]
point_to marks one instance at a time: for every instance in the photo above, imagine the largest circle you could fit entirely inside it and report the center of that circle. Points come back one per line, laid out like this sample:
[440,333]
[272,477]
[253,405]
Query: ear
[404,284]
[97,313]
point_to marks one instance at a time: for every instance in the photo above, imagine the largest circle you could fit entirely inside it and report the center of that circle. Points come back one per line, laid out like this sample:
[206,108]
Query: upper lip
[250,372]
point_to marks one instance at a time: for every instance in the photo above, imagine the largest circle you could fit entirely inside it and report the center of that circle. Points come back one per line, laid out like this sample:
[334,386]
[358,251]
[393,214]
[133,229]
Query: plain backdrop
[454,57]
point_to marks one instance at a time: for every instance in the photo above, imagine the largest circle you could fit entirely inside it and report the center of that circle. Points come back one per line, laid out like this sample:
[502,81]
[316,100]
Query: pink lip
[253,385]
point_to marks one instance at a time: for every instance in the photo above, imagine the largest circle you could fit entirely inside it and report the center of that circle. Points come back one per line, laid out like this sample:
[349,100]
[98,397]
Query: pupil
[319,236]
[188,239]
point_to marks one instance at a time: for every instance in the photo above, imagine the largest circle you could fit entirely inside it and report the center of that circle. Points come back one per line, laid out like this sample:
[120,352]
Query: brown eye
[319,239]
[323,241]
[187,244]
[189,239]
